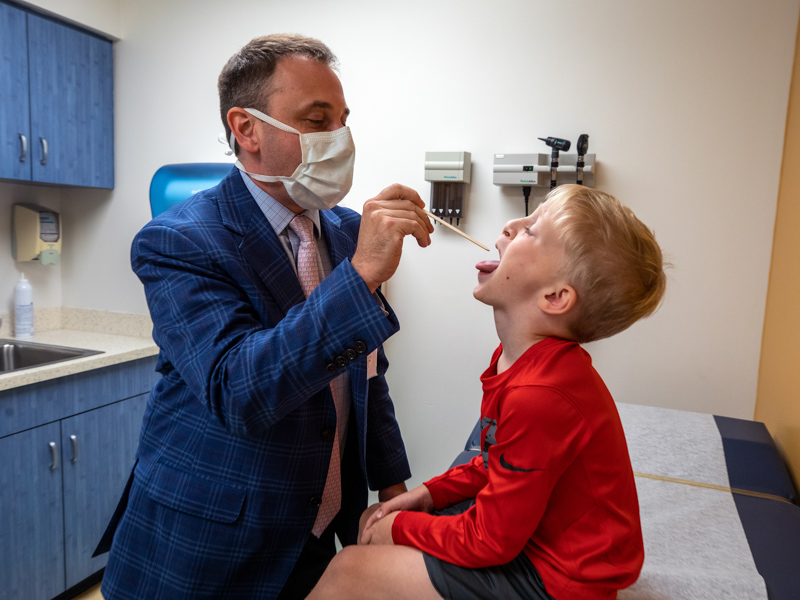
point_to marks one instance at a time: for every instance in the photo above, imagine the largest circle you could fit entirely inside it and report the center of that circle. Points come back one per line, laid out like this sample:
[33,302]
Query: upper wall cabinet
[15,118]
[56,90]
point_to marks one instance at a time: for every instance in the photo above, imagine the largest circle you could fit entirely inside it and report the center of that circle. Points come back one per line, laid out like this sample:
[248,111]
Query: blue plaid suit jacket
[235,442]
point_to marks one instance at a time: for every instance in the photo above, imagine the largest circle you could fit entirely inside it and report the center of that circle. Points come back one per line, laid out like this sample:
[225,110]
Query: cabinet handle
[23,153]
[74,440]
[54,454]
[44,151]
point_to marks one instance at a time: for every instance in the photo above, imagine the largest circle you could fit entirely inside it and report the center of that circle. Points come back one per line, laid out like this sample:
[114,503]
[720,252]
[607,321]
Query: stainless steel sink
[16,355]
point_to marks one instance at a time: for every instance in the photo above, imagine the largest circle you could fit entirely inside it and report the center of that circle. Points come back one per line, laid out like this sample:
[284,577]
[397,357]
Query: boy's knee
[344,565]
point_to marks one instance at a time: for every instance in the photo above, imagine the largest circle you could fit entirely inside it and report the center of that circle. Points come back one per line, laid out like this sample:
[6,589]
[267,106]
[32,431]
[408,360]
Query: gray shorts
[514,580]
[517,579]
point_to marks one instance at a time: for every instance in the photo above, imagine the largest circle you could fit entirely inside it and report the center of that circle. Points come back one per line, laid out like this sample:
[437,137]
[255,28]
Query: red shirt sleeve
[539,433]
[462,482]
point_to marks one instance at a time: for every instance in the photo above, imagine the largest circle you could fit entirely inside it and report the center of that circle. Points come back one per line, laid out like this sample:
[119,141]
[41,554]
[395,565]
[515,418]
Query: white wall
[685,103]
[100,16]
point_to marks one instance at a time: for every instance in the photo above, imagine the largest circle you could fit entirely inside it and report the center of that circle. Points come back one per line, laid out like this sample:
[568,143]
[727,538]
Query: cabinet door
[71,97]
[15,137]
[97,463]
[31,516]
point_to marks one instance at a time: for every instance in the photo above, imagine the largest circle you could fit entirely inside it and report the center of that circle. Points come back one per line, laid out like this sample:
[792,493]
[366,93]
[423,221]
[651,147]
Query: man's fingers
[395,213]
[400,192]
[398,214]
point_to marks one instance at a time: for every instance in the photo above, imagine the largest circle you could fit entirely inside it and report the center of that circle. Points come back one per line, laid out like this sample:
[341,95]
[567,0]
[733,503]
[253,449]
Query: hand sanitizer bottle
[23,309]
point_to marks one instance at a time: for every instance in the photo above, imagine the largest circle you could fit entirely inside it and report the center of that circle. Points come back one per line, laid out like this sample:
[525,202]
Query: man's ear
[558,300]
[242,126]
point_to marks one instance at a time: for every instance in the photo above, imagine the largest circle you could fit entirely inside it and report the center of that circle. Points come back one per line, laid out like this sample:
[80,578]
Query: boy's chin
[477,294]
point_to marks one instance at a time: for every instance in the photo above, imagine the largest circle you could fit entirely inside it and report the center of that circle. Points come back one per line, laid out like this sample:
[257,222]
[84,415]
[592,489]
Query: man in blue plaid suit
[237,438]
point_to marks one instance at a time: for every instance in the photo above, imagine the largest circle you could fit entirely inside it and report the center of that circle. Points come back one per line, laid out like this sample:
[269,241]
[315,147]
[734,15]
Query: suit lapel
[262,252]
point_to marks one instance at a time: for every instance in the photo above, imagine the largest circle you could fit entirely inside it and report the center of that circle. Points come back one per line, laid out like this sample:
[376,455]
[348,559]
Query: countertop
[115,349]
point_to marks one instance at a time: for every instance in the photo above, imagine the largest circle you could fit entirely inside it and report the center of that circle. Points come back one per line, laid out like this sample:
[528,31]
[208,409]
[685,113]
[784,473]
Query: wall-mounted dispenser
[448,172]
[35,234]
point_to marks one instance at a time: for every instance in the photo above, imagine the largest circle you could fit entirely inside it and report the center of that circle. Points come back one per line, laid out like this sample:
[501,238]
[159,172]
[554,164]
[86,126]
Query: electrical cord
[526,191]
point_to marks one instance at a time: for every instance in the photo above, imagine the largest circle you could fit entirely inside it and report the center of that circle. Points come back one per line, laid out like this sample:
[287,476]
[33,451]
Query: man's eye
[316,121]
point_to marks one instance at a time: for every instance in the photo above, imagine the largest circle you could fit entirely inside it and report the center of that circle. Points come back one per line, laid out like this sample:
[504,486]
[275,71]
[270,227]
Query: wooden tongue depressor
[458,231]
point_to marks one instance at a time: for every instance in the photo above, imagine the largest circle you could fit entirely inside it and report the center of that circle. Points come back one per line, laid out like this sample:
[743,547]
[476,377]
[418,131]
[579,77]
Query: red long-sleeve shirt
[554,480]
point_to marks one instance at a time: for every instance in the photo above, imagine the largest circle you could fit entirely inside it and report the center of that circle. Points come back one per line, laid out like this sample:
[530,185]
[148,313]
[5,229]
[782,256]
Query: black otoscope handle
[553,167]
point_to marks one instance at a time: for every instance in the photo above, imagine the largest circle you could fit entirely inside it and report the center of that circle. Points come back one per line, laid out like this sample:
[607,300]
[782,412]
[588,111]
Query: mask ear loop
[261,116]
[267,119]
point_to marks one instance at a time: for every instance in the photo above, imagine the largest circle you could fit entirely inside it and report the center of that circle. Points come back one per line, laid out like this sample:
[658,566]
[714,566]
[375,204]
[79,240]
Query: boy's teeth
[487,266]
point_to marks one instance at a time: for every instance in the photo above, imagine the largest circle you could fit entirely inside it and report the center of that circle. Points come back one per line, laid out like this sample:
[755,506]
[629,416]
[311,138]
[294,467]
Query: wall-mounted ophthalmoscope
[582,147]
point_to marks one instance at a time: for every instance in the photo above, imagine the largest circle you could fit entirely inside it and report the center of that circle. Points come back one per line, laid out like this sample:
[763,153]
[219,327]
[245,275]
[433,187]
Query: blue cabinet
[15,119]
[31,519]
[99,449]
[65,133]
[67,447]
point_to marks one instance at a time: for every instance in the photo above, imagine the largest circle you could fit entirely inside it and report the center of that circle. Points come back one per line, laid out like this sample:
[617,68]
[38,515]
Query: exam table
[718,508]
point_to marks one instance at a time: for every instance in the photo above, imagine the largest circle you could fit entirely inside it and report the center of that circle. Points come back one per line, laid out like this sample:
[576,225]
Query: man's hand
[387,218]
[418,499]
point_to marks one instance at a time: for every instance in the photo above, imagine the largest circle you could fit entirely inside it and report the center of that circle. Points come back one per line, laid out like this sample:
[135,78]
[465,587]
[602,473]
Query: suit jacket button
[350,354]
[360,347]
[341,361]
[315,501]
[328,434]
[330,367]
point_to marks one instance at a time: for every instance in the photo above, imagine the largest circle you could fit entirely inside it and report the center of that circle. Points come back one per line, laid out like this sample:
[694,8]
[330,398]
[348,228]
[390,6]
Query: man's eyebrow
[326,105]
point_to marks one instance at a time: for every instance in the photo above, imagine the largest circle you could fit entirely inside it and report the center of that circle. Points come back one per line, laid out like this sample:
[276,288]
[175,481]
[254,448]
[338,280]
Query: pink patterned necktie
[308,274]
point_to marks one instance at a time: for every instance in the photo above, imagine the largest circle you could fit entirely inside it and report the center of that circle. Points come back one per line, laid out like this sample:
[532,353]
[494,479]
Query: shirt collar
[276,213]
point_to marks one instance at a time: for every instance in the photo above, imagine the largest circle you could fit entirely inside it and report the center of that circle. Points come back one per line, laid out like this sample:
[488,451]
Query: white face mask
[325,173]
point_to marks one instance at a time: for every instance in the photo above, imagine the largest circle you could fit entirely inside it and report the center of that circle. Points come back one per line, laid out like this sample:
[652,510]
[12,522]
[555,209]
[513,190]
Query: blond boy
[549,509]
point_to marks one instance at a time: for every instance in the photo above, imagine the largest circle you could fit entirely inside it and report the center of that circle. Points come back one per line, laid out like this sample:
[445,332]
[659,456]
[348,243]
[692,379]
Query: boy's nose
[512,227]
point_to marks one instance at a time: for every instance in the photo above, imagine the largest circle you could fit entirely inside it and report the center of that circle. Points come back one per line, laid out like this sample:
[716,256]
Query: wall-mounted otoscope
[556,144]
[528,170]
[582,146]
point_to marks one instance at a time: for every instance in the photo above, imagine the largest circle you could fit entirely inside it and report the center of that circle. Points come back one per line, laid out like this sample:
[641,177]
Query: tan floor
[92,594]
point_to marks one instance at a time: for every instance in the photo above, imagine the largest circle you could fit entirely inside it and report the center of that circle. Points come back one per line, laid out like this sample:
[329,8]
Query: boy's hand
[418,499]
[380,532]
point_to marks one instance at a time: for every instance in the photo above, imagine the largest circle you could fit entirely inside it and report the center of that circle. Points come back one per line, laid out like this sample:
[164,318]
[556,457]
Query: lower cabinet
[59,485]
[32,515]
[99,449]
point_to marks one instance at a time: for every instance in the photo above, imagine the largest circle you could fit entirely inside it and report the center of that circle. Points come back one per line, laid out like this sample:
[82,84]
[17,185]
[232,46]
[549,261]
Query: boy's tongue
[487,266]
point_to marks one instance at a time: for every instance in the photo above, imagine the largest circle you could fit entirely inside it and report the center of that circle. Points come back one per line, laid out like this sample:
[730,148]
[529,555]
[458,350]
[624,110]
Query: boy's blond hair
[612,260]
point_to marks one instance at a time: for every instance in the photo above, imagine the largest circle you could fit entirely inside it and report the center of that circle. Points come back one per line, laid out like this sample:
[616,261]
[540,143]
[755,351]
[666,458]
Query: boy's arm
[462,482]
[538,435]
[459,483]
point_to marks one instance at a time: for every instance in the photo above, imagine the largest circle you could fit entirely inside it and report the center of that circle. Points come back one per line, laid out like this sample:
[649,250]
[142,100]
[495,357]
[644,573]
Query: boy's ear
[559,300]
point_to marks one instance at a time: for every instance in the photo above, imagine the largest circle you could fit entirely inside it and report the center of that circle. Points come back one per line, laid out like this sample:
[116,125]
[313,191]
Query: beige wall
[778,399]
